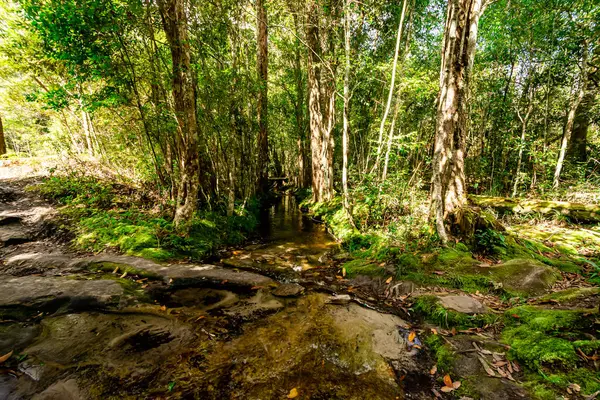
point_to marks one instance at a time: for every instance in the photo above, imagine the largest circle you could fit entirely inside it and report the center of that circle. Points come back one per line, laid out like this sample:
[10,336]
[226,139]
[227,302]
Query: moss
[430,308]
[121,268]
[571,294]
[407,262]
[441,351]
[545,320]
[455,259]
[363,267]
[515,276]
[536,349]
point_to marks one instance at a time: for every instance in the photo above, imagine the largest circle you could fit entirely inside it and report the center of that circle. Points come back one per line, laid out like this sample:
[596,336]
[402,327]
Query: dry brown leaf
[433,370]
[124,275]
[456,384]
[448,380]
[293,394]
[115,270]
[388,280]
[344,272]
[434,331]
[486,367]
[6,357]
[446,389]
[163,308]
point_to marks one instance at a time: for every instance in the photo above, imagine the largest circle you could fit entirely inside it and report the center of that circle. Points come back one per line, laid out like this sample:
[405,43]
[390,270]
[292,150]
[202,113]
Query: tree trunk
[262,69]
[2,139]
[174,21]
[578,148]
[524,120]
[448,193]
[391,91]
[346,123]
[314,99]
[571,117]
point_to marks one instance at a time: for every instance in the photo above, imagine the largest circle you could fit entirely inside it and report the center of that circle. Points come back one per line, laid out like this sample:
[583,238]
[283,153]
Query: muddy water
[222,342]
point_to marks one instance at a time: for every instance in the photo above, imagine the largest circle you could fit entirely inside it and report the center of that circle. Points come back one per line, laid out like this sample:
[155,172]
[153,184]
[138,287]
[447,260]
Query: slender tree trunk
[2,139]
[448,193]
[174,21]
[524,120]
[262,69]
[346,122]
[314,99]
[571,117]
[391,91]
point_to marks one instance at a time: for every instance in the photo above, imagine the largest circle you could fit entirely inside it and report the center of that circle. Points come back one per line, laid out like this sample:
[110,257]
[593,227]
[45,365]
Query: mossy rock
[524,276]
[363,267]
[455,259]
[571,294]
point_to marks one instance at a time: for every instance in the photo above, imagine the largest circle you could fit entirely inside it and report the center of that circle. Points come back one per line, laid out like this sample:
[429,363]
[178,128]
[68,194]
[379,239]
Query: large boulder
[524,276]
[462,304]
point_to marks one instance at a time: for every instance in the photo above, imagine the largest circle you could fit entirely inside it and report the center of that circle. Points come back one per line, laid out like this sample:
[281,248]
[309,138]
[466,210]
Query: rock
[14,234]
[463,304]
[341,299]
[36,263]
[61,390]
[181,275]
[341,256]
[524,276]
[49,292]
[10,219]
[386,340]
[16,337]
[288,290]
[258,305]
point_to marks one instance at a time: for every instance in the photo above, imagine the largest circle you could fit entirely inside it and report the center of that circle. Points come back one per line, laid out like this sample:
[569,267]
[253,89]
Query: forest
[311,199]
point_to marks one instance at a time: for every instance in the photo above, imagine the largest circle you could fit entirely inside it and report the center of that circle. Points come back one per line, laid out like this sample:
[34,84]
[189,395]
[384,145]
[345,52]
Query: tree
[448,192]
[575,101]
[2,139]
[174,21]
[262,69]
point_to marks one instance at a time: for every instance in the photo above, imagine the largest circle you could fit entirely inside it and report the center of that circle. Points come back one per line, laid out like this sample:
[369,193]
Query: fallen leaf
[439,272]
[433,370]
[448,380]
[575,387]
[456,384]
[344,272]
[434,331]
[116,270]
[5,357]
[163,308]
[388,280]
[256,287]
[447,389]
[293,393]
[453,331]
[412,336]
[486,367]
[124,275]
[515,316]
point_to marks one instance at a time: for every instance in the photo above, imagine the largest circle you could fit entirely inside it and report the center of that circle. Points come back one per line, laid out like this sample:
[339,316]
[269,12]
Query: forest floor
[293,314]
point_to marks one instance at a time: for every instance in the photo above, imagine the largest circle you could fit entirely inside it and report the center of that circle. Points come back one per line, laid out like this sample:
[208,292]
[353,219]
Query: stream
[271,320]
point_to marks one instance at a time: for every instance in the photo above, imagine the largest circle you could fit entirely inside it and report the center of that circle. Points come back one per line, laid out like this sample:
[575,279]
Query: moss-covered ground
[554,341]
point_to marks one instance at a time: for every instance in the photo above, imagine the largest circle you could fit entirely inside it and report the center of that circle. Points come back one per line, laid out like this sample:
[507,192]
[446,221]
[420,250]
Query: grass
[105,215]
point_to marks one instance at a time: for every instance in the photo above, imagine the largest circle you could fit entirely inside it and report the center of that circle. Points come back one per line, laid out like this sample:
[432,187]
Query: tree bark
[314,98]
[524,120]
[262,69]
[346,126]
[448,193]
[174,21]
[2,139]
[571,117]
[578,147]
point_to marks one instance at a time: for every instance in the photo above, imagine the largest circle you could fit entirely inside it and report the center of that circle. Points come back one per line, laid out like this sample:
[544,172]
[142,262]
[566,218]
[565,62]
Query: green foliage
[430,308]
[99,223]
[442,352]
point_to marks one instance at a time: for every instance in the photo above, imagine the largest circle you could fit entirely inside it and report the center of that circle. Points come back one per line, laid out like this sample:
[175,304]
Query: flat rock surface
[36,291]
[463,304]
[185,274]
[288,290]
[14,233]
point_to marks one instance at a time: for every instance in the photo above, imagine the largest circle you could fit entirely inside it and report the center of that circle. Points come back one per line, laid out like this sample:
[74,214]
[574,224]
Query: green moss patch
[363,267]
[430,308]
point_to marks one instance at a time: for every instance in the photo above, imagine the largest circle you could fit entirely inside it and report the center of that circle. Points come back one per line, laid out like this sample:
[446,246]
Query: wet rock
[181,275]
[51,293]
[16,337]
[341,299]
[261,303]
[61,390]
[463,304]
[525,276]
[9,219]
[288,290]
[354,321]
[204,299]
[14,234]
